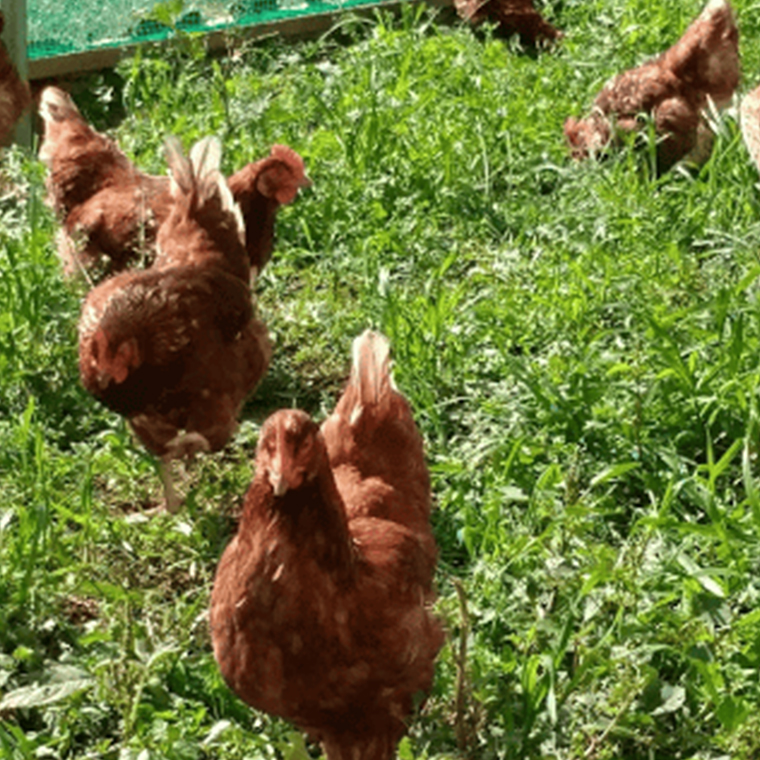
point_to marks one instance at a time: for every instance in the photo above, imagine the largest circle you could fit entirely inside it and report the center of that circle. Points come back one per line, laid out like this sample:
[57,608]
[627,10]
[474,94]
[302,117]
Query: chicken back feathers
[14,92]
[320,607]
[674,88]
[374,447]
[109,209]
[176,349]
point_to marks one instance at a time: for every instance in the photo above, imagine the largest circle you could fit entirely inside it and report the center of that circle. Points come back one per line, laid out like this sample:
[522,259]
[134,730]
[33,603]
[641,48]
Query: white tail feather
[201,171]
[370,366]
[716,6]
[206,157]
[180,168]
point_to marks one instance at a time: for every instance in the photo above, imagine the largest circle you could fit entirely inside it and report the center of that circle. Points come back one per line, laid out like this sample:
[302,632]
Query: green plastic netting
[61,27]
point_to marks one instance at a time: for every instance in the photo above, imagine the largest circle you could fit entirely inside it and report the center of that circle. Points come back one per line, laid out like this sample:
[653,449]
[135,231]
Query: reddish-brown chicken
[512,17]
[674,88]
[750,123]
[111,211]
[260,188]
[176,349]
[320,611]
[14,92]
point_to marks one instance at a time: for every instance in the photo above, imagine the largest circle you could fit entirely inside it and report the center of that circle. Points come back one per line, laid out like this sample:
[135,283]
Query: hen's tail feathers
[749,118]
[57,106]
[183,179]
[370,387]
[468,8]
[198,177]
[708,52]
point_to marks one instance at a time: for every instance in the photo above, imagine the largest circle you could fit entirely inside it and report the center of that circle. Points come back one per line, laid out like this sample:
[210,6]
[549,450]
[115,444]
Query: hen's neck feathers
[302,515]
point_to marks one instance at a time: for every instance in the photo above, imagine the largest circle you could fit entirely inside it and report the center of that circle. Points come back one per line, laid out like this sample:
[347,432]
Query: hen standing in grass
[674,88]
[512,17]
[176,348]
[111,211]
[320,611]
[14,92]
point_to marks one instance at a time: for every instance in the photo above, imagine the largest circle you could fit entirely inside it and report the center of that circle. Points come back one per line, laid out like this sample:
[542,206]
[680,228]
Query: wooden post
[14,37]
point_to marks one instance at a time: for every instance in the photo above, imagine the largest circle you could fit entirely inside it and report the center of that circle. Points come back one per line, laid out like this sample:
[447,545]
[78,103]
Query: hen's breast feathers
[294,639]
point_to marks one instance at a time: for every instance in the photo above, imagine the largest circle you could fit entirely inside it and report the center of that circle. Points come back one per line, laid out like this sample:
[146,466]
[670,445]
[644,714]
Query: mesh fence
[60,27]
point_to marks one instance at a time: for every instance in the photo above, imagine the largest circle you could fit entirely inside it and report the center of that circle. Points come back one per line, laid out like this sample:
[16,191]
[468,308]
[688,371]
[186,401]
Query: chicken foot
[182,446]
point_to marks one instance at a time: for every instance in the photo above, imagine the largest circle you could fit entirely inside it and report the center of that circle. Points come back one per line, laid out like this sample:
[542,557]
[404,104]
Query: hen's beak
[279,483]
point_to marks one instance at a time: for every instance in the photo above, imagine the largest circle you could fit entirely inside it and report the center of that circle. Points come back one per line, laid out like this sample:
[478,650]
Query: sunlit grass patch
[579,343]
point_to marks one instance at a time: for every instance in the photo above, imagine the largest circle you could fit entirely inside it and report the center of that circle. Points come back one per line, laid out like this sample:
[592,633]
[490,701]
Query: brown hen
[674,88]
[320,611]
[260,188]
[14,92]
[176,349]
[511,16]
[111,211]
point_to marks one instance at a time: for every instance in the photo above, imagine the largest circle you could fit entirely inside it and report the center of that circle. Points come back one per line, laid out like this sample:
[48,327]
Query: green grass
[580,344]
